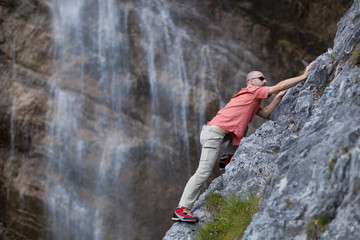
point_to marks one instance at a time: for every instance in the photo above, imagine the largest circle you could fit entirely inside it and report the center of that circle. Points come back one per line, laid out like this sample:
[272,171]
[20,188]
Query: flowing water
[94,62]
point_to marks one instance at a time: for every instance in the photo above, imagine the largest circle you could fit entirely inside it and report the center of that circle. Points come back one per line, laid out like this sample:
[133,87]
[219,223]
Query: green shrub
[317,226]
[230,215]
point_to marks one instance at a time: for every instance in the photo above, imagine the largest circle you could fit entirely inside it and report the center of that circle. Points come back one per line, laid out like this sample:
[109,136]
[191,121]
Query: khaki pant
[211,139]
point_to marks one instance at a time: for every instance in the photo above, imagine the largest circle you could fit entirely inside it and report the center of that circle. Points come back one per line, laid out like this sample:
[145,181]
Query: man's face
[257,79]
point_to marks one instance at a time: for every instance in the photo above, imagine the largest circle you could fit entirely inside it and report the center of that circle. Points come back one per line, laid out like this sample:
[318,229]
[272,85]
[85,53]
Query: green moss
[357,186]
[357,79]
[333,57]
[288,202]
[285,43]
[231,216]
[331,165]
[317,226]
[320,91]
[244,14]
[355,58]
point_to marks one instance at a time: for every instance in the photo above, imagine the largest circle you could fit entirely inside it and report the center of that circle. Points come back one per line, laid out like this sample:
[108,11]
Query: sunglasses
[261,78]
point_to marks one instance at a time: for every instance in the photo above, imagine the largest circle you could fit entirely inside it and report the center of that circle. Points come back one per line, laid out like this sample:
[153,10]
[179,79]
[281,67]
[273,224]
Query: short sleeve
[262,93]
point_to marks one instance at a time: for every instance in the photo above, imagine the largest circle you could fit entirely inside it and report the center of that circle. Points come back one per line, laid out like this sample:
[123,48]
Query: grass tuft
[317,226]
[231,216]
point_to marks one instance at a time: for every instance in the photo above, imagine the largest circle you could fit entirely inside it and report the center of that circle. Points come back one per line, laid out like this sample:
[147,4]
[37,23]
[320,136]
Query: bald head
[251,76]
[254,74]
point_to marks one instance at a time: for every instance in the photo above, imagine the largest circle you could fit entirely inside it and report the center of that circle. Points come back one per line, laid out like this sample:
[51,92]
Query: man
[231,122]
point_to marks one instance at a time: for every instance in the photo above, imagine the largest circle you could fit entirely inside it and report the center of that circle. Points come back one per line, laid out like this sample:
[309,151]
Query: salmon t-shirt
[241,109]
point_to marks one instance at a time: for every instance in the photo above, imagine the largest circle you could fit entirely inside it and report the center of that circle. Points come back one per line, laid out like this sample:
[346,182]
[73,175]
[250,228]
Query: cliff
[305,160]
[101,102]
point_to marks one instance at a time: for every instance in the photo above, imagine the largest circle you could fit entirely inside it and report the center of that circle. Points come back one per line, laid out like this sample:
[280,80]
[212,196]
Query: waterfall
[93,121]
[156,28]
[71,213]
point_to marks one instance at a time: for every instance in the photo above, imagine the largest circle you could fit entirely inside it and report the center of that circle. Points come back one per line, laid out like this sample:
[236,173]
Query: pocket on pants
[211,146]
[209,154]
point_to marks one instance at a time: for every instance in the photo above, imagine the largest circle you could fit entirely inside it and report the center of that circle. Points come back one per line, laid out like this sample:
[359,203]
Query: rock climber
[230,125]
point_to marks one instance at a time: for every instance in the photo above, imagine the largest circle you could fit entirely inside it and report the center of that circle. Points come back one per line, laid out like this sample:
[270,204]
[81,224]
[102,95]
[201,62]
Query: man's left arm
[265,112]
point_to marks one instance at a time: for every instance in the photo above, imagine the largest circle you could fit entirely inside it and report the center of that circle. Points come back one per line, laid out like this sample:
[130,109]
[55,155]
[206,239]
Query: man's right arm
[288,83]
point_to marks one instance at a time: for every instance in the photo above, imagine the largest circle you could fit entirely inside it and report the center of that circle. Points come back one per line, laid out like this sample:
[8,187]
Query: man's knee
[202,175]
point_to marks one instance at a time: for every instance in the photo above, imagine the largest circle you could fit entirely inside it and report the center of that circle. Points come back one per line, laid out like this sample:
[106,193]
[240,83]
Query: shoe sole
[187,221]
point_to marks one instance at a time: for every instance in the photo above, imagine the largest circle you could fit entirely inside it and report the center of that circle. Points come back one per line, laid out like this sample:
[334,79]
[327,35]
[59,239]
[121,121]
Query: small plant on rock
[355,58]
[230,215]
[331,165]
[317,226]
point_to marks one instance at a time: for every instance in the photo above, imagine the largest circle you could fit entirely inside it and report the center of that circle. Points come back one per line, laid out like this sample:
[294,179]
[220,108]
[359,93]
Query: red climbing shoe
[224,160]
[183,214]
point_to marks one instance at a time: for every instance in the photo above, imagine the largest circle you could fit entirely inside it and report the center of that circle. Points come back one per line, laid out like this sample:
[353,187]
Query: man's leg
[211,140]
[230,148]
[227,153]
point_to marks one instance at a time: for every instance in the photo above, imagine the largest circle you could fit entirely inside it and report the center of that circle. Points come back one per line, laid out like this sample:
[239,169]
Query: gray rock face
[305,160]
